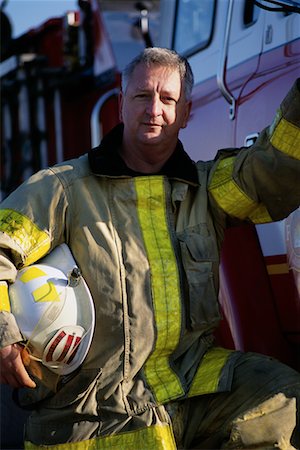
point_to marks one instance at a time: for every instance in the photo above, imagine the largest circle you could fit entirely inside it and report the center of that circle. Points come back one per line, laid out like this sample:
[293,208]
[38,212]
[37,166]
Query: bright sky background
[26,14]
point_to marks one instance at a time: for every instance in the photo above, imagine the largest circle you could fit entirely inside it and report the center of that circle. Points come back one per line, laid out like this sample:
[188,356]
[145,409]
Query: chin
[151,137]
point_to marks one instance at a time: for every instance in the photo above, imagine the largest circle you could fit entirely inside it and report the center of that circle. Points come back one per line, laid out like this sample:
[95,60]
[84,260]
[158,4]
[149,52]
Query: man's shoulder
[72,169]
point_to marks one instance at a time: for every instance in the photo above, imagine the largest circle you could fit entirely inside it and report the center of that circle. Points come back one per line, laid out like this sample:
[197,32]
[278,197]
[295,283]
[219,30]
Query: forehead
[151,75]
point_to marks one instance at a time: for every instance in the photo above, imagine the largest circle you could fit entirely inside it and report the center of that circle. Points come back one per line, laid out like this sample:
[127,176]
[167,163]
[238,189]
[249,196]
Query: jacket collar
[106,160]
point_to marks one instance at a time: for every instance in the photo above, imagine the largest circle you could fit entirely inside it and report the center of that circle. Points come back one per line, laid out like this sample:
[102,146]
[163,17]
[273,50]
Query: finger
[13,371]
[17,380]
[22,376]
[11,381]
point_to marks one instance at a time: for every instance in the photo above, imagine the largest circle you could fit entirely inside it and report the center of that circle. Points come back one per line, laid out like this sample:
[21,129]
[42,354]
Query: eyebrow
[163,92]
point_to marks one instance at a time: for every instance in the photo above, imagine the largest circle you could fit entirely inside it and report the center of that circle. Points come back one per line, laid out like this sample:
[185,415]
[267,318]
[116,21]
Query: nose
[154,106]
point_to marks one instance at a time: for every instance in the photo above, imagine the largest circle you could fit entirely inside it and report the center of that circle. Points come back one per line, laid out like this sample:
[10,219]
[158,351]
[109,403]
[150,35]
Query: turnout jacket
[148,247]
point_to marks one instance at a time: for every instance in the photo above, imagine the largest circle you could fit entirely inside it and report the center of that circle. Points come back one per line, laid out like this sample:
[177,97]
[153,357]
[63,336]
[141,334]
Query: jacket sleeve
[262,183]
[31,224]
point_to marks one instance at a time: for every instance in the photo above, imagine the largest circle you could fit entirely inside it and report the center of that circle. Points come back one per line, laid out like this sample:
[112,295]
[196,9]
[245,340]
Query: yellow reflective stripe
[278,269]
[207,377]
[156,437]
[4,298]
[165,286]
[31,273]
[231,198]
[34,242]
[286,138]
[260,214]
[46,293]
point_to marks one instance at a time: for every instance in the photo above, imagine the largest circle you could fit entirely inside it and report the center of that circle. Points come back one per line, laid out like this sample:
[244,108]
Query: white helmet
[54,311]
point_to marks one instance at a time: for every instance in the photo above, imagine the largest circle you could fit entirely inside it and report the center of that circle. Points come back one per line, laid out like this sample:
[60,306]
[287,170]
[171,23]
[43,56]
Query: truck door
[278,66]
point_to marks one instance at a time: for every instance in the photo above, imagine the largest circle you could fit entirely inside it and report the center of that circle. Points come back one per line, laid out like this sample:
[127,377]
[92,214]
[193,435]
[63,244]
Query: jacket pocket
[72,389]
[199,256]
[81,387]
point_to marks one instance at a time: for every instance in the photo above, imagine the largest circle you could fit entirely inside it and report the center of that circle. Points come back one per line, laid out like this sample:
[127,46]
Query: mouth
[152,125]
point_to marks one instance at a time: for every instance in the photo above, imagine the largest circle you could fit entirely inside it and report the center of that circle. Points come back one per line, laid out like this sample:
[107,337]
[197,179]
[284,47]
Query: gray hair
[162,57]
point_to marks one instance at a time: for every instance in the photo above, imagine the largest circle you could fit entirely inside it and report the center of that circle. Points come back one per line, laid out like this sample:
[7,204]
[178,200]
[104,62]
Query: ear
[121,99]
[187,112]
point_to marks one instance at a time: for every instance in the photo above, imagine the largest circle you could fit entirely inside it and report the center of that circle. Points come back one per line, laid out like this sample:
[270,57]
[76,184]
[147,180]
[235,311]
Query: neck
[146,159]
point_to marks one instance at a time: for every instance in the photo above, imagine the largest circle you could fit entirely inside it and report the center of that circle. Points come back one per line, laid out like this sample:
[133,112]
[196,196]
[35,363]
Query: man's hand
[12,369]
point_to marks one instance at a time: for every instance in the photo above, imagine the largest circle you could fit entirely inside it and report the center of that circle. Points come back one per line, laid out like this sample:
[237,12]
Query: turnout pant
[261,411]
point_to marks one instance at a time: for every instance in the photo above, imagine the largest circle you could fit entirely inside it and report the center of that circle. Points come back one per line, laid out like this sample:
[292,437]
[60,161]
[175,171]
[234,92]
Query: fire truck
[60,85]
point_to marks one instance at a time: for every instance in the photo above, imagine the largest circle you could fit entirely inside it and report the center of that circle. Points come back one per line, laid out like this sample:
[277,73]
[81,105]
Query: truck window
[193,25]
[251,12]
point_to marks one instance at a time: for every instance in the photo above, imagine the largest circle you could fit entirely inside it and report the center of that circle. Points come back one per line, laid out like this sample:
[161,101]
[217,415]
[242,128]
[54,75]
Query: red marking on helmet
[53,346]
[75,348]
[67,347]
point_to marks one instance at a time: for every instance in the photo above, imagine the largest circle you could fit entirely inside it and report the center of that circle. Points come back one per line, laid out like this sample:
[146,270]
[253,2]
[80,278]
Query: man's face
[153,108]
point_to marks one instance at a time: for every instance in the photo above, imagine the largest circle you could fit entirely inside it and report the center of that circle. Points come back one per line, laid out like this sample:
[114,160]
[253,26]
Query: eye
[169,100]
[142,96]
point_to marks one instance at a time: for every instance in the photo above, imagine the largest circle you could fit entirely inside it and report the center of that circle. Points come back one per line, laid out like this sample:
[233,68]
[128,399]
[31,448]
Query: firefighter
[145,225]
